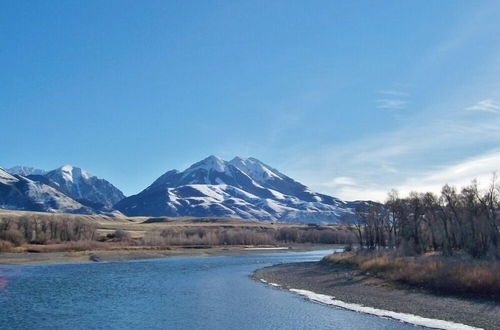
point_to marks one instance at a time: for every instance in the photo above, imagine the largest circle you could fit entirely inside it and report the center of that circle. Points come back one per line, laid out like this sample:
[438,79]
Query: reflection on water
[171,293]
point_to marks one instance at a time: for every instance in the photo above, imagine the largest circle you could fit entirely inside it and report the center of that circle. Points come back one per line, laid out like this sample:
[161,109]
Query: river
[169,293]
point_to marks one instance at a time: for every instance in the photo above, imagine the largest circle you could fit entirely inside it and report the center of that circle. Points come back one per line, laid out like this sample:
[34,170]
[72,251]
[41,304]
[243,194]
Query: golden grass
[456,275]
[67,246]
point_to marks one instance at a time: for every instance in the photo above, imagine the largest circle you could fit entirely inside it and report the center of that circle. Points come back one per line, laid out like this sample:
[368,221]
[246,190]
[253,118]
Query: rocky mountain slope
[80,185]
[25,170]
[20,193]
[242,187]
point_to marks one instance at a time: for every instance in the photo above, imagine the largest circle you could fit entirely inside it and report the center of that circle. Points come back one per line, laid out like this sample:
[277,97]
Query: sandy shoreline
[24,258]
[347,285]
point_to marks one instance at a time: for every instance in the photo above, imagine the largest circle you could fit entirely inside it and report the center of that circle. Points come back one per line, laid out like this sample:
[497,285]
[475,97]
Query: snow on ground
[46,195]
[7,178]
[25,170]
[210,191]
[404,317]
[266,248]
[172,197]
[254,168]
[67,173]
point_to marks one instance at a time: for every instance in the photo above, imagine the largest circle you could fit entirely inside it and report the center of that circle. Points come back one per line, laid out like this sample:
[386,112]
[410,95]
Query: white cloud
[423,154]
[459,174]
[432,145]
[340,181]
[391,104]
[352,193]
[487,105]
[392,99]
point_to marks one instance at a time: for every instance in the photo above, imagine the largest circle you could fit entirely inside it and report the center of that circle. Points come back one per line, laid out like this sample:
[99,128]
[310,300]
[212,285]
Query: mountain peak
[238,159]
[210,163]
[25,170]
[66,168]
[213,158]
[71,173]
[84,187]
[254,168]
[242,187]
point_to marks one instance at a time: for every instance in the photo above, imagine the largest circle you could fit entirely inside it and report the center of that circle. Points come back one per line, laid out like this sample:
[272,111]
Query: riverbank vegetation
[43,232]
[462,275]
[264,235]
[466,221]
[447,243]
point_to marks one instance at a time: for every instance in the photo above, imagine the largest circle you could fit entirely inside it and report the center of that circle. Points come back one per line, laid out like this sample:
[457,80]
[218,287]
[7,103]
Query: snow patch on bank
[269,283]
[267,248]
[404,317]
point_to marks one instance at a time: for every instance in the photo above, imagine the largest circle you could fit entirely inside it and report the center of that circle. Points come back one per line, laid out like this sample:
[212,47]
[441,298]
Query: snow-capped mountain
[242,187]
[21,193]
[25,170]
[80,185]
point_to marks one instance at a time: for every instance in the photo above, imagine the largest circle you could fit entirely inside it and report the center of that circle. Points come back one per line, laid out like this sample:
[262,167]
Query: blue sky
[352,98]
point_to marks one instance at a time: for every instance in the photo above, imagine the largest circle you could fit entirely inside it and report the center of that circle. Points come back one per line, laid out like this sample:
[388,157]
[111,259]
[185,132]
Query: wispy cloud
[407,158]
[438,142]
[458,174]
[466,29]
[393,92]
[487,105]
[391,104]
[392,99]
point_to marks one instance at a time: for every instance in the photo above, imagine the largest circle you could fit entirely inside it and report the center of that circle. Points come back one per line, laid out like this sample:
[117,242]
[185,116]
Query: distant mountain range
[21,193]
[243,187]
[65,189]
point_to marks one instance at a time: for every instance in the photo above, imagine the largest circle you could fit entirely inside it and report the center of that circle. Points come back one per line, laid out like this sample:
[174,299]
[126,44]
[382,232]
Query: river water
[169,293]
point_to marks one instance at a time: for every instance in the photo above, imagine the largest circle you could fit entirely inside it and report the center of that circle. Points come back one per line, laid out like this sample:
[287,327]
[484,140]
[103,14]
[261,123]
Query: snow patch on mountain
[20,193]
[243,187]
[6,177]
[25,170]
[257,170]
[84,187]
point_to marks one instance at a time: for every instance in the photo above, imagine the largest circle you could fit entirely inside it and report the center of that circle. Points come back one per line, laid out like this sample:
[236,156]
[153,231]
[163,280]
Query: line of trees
[36,230]
[248,236]
[466,220]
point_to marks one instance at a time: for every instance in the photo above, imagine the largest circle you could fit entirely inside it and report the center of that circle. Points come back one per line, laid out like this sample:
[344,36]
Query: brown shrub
[13,235]
[68,246]
[39,229]
[120,235]
[441,274]
[5,246]
[246,236]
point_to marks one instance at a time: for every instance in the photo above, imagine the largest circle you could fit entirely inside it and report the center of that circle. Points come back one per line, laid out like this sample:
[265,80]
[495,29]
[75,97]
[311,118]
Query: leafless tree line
[36,230]
[466,220]
[248,236]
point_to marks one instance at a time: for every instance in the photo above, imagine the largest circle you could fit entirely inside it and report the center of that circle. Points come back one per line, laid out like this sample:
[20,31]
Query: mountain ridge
[25,170]
[21,193]
[241,187]
[65,189]
[84,187]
